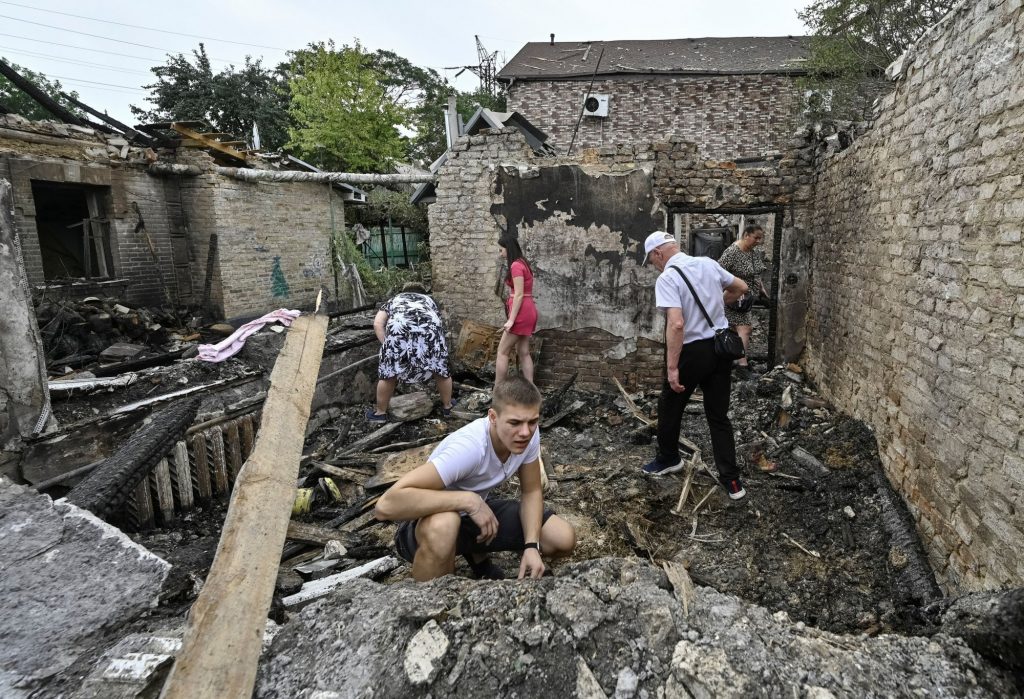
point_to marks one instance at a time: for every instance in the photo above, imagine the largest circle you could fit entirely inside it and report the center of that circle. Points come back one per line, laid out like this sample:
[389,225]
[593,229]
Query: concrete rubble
[53,609]
[607,627]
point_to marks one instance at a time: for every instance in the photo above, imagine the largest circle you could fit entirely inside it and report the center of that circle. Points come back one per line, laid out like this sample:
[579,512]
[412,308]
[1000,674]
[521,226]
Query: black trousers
[699,366]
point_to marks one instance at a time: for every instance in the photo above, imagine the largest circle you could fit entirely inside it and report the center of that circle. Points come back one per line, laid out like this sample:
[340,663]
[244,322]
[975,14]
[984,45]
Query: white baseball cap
[654,240]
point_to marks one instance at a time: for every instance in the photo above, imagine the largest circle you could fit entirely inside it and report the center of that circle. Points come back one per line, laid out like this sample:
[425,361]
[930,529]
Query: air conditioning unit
[595,105]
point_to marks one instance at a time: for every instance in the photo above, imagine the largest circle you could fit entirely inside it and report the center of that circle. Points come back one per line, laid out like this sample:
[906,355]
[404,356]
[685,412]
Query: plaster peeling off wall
[583,233]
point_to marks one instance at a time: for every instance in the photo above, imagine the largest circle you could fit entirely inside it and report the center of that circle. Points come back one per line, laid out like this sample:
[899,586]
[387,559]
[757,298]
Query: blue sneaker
[373,416]
[655,468]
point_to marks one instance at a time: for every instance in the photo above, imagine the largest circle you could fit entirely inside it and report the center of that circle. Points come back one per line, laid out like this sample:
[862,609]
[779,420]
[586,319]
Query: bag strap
[695,297]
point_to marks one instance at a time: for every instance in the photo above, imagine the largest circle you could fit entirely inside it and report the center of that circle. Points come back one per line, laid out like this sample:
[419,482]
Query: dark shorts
[510,532]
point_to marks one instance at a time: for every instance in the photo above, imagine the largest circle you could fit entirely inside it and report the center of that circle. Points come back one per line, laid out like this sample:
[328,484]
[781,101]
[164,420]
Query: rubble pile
[608,627]
[95,330]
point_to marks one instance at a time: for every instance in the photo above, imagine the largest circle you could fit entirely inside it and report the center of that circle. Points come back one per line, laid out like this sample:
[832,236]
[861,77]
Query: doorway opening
[708,232]
[73,231]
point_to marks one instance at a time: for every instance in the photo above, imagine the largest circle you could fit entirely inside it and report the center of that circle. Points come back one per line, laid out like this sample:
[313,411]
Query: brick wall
[916,322]
[581,222]
[273,238]
[273,241]
[727,116]
[121,187]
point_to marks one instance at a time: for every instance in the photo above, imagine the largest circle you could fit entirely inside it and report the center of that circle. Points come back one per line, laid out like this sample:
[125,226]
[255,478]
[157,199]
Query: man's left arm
[531,514]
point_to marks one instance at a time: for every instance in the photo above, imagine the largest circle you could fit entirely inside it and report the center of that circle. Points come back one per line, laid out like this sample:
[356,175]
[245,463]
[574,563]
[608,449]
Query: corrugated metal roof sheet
[732,55]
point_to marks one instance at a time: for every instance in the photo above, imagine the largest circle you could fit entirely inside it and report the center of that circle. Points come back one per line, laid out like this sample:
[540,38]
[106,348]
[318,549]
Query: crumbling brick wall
[582,222]
[917,315]
[727,116]
[123,187]
[273,241]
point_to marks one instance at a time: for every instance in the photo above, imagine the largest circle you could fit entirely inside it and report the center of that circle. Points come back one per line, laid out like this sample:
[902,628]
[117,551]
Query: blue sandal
[447,412]
[373,416]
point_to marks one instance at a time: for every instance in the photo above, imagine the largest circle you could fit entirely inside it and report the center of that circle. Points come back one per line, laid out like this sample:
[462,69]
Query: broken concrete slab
[614,617]
[66,579]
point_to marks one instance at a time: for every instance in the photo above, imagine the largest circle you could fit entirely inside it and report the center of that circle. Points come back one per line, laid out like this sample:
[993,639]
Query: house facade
[735,98]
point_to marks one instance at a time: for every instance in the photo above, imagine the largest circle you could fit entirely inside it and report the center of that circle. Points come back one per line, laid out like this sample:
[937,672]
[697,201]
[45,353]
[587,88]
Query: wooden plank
[312,534]
[181,477]
[160,479]
[318,588]
[234,450]
[348,474]
[394,466]
[186,129]
[377,435]
[140,506]
[200,469]
[98,230]
[359,522]
[247,433]
[217,461]
[223,640]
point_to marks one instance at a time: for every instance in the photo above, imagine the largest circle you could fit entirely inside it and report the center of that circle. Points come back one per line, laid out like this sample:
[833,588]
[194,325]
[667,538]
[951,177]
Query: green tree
[853,43]
[231,101]
[12,98]
[344,113]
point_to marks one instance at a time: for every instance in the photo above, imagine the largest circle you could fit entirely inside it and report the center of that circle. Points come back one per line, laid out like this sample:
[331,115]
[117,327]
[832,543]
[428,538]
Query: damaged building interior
[188,479]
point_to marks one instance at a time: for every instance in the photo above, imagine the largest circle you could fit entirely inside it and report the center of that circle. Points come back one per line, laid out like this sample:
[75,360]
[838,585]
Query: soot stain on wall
[622,203]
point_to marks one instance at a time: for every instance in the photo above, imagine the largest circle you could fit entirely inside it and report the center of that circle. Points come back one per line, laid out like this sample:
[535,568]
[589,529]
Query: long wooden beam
[222,642]
[48,103]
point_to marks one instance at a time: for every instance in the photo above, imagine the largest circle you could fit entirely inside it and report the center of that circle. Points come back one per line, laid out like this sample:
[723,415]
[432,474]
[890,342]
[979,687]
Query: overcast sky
[107,63]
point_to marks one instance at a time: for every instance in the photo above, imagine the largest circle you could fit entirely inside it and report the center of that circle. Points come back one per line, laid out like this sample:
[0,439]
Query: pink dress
[526,319]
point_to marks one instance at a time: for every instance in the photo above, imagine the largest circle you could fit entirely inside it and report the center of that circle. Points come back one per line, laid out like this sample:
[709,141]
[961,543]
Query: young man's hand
[484,518]
[532,565]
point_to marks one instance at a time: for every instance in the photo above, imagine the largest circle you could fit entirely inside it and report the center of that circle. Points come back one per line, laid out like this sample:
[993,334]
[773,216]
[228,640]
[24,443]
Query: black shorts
[509,538]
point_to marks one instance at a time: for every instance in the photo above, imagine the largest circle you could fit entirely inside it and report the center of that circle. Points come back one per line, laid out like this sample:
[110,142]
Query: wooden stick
[222,642]
[377,435]
[685,494]
[632,406]
[797,544]
[704,499]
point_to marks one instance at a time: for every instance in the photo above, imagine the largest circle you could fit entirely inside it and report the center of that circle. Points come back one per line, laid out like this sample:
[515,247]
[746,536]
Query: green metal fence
[392,247]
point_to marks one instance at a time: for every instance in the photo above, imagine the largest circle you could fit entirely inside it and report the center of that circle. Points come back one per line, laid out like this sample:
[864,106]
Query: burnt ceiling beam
[47,102]
[123,128]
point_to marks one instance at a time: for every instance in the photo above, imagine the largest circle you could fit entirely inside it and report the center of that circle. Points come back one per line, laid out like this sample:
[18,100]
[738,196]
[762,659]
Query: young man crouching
[443,507]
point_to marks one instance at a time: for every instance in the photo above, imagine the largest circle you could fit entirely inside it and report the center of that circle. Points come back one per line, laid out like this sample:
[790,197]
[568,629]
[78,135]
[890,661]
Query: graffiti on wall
[278,283]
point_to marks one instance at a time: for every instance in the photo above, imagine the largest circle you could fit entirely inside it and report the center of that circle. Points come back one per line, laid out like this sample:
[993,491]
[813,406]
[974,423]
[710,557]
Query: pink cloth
[230,346]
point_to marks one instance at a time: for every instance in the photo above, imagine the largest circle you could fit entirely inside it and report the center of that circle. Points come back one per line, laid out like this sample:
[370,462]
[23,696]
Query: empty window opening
[72,230]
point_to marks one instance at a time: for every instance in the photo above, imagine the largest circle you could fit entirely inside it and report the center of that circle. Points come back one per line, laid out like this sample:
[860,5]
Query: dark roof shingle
[731,55]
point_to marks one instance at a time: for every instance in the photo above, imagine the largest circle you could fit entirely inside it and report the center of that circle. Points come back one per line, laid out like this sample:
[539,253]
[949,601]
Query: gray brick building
[734,97]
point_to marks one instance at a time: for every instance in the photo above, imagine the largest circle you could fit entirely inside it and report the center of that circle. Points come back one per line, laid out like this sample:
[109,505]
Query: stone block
[68,580]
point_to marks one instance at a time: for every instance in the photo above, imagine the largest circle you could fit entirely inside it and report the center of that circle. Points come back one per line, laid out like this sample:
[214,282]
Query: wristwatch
[532,545]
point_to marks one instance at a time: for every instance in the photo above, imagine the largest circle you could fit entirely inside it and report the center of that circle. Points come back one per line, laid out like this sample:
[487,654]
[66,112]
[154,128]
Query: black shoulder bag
[728,344]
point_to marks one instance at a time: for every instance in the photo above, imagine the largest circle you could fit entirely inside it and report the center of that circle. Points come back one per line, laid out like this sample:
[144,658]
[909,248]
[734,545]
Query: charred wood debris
[824,538]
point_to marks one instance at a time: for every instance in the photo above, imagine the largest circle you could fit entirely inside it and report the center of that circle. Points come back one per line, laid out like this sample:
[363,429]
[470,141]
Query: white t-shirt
[709,279]
[466,460]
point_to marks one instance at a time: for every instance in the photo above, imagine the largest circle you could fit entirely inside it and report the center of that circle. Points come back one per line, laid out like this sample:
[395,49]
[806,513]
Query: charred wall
[581,222]
[916,321]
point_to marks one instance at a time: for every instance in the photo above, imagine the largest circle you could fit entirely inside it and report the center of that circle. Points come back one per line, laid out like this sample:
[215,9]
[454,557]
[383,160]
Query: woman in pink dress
[522,313]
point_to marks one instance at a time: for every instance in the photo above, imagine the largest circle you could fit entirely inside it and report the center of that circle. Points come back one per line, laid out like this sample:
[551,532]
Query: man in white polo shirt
[690,358]
[443,504]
